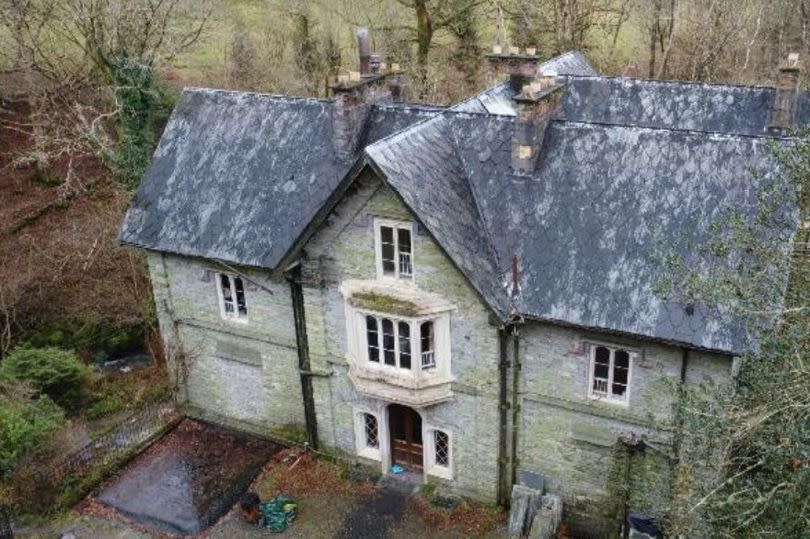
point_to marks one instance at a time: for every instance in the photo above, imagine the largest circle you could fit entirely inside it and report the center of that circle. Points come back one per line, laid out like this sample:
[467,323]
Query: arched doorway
[405,426]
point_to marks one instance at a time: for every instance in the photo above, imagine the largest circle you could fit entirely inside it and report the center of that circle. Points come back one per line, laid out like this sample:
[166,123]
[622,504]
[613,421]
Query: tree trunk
[424,35]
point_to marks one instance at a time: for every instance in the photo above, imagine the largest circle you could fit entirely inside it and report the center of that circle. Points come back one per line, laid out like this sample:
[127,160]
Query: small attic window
[394,249]
[232,301]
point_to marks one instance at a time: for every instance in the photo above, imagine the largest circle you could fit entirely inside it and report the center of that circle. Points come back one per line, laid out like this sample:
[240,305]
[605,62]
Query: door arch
[405,428]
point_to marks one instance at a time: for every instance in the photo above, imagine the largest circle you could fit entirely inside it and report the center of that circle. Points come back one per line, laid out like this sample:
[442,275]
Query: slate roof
[237,176]
[629,165]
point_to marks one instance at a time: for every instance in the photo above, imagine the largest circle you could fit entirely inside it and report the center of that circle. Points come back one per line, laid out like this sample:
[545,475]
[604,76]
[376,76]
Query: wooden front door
[406,436]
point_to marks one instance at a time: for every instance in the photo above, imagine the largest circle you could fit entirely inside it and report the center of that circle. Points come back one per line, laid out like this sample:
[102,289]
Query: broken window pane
[240,296]
[388,249]
[601,370]
[227,295]
[621,368]
[404,345]
[389,354]
[372,339]
[441,443]
[426,338]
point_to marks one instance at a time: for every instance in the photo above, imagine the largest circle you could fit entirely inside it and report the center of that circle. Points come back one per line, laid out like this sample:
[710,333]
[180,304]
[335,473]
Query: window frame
[415,340]
[396,225]
[233,316]
[361,441]
[431,466]
[623,400]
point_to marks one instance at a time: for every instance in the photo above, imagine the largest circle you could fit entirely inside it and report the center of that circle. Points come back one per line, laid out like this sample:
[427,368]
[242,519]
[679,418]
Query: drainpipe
[297,293]
[503,411]
[516,367]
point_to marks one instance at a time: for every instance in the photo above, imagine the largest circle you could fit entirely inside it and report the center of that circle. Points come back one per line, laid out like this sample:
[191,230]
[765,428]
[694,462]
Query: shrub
[60,374]
[25,424]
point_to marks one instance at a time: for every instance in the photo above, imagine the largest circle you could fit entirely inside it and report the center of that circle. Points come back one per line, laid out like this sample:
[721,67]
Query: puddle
[189,478]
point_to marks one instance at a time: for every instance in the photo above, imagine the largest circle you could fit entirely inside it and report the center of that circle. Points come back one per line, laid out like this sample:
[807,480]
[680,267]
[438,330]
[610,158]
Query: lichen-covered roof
[498,99]
[237,176]
[629,165]
[602,201]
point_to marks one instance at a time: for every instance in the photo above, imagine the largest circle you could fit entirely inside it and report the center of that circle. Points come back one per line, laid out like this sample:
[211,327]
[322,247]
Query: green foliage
[142,102]
[25,424]
[58,373]
[744,463]
[87,333]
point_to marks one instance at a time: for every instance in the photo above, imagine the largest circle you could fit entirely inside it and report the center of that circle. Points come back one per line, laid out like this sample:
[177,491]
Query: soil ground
[334,501]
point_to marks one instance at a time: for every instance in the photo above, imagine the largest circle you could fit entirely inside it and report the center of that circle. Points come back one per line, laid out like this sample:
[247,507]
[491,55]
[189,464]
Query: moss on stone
[385,304]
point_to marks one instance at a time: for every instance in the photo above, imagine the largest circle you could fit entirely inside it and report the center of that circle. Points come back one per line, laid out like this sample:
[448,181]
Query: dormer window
[394,245]
[232,301]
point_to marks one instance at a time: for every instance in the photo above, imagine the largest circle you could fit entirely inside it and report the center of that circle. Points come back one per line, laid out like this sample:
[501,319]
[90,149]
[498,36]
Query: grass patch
[305,475]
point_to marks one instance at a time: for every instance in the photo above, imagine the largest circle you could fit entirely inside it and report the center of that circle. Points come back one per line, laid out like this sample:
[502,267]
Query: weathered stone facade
[247,373]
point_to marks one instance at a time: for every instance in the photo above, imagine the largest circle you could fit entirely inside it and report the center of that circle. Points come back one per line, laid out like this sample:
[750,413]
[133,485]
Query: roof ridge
[694,132]
[673,82]
[275,97]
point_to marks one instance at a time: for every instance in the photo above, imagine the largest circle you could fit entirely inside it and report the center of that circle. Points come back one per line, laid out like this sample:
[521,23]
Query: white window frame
[363,449]
[429,442]
[395,225]
[440,355]
[234,316]
[612,348]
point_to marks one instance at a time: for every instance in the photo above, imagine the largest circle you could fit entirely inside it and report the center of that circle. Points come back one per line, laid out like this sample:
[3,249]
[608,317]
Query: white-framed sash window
[393,241]
[232,298]
[610,373]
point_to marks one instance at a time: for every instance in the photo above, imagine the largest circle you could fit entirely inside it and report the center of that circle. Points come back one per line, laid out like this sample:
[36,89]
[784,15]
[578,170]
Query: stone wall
[571,438]
[345,250]
[247,372]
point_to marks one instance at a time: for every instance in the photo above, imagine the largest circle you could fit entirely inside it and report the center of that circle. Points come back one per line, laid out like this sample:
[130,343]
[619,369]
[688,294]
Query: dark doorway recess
[406,436]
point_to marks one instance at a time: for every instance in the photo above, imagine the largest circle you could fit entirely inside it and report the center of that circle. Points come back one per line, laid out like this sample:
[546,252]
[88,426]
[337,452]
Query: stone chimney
[521,67]
[354,95]
[537,104]
[783,112]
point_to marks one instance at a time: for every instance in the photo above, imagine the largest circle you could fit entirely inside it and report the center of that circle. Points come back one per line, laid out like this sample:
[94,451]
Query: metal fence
[125,437]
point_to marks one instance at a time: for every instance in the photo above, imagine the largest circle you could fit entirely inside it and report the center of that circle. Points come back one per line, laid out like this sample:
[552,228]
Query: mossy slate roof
[630,166]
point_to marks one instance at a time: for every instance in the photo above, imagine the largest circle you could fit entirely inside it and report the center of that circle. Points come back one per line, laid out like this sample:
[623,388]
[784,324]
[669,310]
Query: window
[367,434]
[372,339]
[610,373]
[439,455]
[371,431]
[441,447]
[394,249]
[426,339]
[396,342]
[392,339]
[232,297]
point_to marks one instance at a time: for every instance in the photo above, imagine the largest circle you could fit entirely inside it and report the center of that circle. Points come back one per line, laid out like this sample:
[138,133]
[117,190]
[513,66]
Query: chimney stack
[537,104]
[364,48]
[783,112]
[521,67]
[354,95]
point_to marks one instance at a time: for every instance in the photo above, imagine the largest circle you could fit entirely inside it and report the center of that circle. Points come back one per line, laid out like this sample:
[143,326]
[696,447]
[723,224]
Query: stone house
[468,292]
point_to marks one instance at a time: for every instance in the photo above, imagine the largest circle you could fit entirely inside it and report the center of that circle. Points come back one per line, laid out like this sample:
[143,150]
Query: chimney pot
[783,110]
[364,49]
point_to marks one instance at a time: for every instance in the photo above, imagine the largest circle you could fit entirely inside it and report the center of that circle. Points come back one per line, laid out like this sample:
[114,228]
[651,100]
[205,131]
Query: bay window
[392,339]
